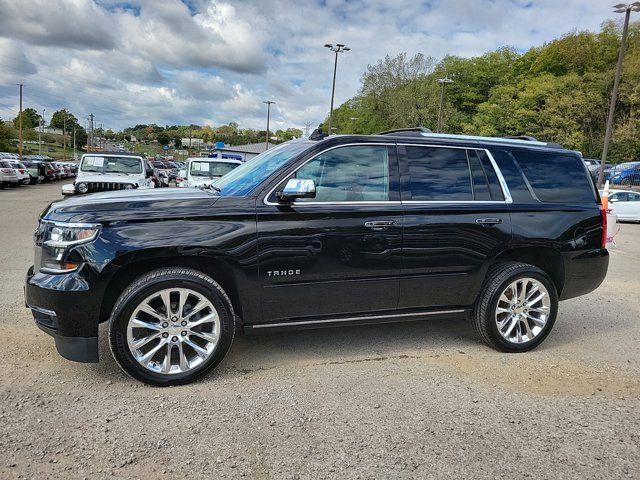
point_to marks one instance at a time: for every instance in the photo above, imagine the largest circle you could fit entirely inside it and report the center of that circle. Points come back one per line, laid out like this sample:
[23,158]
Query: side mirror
[149,172]
[613,200]
[297,188]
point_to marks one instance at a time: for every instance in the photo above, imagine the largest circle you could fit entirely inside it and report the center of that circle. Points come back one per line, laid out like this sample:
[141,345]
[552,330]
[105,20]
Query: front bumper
[64,307]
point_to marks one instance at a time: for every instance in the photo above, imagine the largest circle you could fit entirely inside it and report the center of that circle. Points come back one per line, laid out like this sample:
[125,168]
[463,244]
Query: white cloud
[211,61]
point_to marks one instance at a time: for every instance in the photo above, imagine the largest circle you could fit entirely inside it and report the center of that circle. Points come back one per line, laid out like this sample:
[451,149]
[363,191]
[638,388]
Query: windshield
[94,163]
[211,169]
[248,176]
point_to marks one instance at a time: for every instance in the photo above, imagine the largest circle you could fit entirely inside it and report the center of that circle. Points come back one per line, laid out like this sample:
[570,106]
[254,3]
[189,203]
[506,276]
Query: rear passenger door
[456,218]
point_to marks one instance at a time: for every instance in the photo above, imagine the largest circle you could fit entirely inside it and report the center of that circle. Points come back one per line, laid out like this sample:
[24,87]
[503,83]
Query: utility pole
[20,125]
[190,129]
[64,135]
[90,136]
[626,9]
[40,132]
[443,82]
[339,47]
[269,103]
[307,126]
[75,155]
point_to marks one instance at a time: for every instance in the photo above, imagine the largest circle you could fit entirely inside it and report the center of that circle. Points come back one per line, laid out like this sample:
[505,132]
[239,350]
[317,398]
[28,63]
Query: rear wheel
[517,307]
[171,326]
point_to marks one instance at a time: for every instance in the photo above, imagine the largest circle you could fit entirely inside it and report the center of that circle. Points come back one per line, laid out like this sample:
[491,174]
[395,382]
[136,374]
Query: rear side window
[556,177]
[439,174]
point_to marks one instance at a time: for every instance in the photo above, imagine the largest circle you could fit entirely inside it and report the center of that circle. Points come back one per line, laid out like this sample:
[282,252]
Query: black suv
[322,232]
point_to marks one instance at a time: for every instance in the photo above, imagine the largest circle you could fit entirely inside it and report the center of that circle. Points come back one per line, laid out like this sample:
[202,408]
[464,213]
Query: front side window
[349,174]
[439,174]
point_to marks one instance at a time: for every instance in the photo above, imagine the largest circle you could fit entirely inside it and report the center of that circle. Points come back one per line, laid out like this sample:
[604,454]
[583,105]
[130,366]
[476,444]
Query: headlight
[65,235]
[83,187]
[56,240]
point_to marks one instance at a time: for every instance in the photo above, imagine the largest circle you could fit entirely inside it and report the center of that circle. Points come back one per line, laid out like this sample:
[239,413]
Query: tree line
[558,92]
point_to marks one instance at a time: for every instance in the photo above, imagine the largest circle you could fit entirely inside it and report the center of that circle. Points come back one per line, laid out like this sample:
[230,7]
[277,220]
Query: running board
[352,320]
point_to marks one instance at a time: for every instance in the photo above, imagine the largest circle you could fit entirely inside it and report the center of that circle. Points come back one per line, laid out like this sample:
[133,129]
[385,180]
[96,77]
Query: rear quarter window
[556,177]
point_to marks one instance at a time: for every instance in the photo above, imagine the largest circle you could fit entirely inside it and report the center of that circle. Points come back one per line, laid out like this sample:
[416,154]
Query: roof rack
[407,132]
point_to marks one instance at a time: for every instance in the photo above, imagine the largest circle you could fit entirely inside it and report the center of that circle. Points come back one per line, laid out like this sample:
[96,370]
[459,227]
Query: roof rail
[407,132]
[529,138]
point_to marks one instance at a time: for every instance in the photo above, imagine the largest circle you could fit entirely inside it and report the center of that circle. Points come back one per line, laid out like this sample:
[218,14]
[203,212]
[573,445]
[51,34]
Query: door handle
[380,224]
[488,221]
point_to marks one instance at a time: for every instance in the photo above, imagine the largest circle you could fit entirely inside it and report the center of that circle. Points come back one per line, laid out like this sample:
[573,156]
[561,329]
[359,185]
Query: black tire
[498,278]
[153,282]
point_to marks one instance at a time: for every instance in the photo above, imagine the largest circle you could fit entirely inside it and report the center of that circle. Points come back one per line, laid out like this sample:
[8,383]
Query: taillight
[6,171]
[603,214]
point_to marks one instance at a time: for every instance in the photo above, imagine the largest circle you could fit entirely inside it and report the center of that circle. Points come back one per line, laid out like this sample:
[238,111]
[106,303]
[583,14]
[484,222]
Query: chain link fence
[622,175]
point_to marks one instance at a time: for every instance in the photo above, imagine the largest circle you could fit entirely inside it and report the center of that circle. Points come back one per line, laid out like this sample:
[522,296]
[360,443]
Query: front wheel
[171,326]
[517,308]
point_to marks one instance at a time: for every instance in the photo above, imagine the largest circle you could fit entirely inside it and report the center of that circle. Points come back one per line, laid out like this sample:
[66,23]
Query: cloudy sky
[213,62]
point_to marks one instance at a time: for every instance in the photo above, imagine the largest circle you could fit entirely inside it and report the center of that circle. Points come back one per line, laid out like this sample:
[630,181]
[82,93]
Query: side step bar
[352,320]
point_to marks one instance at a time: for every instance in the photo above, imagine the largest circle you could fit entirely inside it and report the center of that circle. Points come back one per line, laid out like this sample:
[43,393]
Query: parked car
[624,174]
[324,231]
[21,172]
[101,172]
[593,166]
[8,175]
[35,170]
[49,171]
[202,172]
[625,204]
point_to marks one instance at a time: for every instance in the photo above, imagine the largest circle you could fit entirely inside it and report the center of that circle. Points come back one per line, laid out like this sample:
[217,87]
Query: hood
[139,204]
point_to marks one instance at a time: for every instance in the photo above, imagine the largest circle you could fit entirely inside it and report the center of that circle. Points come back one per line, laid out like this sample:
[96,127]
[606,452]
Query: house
[49,130]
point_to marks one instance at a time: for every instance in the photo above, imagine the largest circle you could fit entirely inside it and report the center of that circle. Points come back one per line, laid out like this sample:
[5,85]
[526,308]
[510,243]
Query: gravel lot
[413,400]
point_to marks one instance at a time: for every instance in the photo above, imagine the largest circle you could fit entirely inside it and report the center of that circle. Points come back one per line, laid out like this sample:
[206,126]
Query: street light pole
[269,103]
[442,82]
[338,48]
[627,9]
[40,131]
[20,125]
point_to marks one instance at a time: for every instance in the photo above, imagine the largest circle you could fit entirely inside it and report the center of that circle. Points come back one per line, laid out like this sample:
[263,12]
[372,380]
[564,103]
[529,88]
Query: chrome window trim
[349,319]
[503,184]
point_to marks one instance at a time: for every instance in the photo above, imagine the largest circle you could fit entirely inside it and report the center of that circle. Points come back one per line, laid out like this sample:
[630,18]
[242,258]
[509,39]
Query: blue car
[624,174]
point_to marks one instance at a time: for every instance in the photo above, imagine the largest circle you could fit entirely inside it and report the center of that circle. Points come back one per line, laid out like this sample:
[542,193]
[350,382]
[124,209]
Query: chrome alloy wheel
[522,311]
[173,331]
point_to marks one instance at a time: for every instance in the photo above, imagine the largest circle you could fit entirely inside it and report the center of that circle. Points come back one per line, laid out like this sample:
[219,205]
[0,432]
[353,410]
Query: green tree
[7,134]
[163,139]
[62,117]
[30,119]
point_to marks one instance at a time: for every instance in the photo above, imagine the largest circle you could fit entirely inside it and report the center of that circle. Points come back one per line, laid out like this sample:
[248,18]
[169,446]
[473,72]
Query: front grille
[104,186]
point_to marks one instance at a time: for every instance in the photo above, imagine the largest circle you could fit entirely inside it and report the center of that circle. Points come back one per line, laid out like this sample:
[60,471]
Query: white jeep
[202,172]
[100,172]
